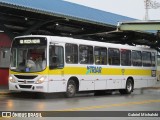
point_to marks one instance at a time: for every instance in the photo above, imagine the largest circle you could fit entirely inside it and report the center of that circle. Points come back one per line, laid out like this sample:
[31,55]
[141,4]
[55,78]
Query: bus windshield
[28,56]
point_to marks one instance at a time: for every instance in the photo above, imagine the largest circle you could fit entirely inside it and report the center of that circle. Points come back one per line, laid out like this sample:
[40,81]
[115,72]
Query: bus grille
[25,77]
[25,86]
[27,82]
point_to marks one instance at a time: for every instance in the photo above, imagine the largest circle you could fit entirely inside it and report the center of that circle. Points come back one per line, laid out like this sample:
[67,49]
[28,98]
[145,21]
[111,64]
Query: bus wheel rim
[71,89]
[129,87]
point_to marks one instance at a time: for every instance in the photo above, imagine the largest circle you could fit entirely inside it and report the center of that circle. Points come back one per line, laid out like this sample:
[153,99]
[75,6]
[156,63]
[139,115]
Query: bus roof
[58,39]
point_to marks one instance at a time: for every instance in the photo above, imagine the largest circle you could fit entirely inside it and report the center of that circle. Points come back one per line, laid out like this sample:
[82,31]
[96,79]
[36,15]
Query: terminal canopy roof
[61,18]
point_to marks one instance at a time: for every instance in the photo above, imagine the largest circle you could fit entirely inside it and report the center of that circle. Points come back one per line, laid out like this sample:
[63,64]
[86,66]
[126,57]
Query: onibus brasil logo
[93,70]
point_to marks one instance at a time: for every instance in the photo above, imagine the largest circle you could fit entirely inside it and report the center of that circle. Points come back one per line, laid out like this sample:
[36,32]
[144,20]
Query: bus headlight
[41,80]
[12,80]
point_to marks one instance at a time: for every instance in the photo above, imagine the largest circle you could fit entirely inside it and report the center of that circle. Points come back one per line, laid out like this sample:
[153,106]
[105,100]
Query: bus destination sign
[29,41]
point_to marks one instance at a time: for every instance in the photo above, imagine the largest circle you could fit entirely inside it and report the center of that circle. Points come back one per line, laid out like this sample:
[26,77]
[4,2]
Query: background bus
[158,67]
[60,64]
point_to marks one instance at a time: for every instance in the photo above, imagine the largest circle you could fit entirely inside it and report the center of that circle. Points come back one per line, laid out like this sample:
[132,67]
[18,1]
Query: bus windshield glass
[28,54]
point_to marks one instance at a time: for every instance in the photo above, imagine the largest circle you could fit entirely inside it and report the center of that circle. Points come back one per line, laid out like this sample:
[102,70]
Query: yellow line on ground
[111,105]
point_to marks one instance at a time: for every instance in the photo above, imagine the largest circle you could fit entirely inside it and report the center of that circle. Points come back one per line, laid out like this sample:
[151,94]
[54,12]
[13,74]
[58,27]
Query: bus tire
[129,87]
[71,89]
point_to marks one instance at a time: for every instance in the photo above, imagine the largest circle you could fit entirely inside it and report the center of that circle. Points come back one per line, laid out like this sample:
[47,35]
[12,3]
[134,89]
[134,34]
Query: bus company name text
[94,70]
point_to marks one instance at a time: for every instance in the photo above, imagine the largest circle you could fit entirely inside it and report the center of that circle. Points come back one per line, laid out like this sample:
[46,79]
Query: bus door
[56,68]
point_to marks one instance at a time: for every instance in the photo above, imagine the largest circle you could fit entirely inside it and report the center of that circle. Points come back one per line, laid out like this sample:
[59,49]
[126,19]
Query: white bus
[52,64]
[158,66]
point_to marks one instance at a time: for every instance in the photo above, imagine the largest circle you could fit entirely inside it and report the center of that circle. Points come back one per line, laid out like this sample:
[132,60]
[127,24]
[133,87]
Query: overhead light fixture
[25,18]
[57,24]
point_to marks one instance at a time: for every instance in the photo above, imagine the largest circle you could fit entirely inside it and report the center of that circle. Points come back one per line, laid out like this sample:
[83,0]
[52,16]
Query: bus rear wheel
[128,89]
[71,89]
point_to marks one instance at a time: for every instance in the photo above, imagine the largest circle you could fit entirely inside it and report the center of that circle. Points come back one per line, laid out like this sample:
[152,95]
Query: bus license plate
[39,87]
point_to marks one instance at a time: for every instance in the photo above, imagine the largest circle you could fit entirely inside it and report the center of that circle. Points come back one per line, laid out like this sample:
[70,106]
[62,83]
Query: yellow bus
[52,64]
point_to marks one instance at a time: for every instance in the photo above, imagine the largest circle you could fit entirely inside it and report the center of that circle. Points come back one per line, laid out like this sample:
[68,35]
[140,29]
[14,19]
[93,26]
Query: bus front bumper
[29,87]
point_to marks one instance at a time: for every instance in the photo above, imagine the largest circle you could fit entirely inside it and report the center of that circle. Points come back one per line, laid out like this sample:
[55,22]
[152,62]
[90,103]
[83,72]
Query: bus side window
[113,56]
[85,54]
[100,55]
[125,57]
[136,58]
[71,53]
[153,55]
[146,57]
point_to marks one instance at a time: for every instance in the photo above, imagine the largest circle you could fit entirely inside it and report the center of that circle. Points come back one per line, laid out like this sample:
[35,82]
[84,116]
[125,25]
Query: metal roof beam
[34,27]
[139,25]
[40,24]
[7,31]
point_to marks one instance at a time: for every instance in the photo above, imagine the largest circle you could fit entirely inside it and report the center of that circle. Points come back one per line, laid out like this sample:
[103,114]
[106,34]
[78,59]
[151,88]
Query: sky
[130,8]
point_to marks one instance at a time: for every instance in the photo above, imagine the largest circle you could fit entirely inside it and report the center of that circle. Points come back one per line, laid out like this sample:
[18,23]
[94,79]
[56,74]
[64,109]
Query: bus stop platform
[4,90]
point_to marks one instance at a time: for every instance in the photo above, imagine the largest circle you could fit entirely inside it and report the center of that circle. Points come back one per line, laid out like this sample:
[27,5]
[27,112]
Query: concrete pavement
[4,90]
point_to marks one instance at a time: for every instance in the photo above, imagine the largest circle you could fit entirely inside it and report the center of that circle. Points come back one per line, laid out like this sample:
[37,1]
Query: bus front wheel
[71,89]
[129,87]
